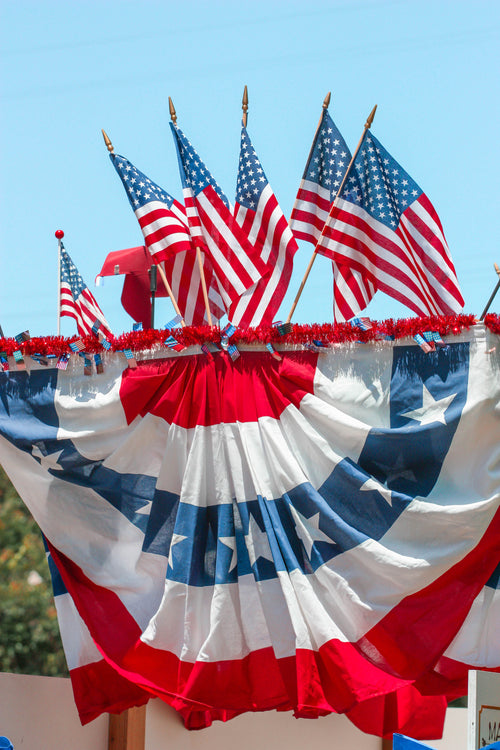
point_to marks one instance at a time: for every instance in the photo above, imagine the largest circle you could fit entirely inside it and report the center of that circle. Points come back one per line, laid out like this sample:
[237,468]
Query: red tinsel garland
[299,334]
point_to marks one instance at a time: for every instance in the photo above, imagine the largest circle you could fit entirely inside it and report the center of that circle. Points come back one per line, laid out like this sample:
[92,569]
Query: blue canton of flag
[162,219]
[324,172]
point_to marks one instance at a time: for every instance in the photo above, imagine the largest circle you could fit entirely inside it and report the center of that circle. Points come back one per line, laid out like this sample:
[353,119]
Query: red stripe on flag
[355,252]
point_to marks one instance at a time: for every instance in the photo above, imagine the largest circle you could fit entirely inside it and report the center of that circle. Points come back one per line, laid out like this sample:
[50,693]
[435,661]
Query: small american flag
[76,300]
[236,263]
[259,215]
[325,169]
[385,227]
[161,217]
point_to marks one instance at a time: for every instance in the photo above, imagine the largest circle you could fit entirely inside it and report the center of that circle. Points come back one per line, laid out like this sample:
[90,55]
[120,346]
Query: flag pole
[59,234]
[326,104]
[313,257]
[196,241]
[493,294]
[110,148]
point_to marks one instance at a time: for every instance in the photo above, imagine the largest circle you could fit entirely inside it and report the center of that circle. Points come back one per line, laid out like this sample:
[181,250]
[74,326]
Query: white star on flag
[372,485]
[432,410]
[230,541]
[176,538]
[308,530]
[257,542]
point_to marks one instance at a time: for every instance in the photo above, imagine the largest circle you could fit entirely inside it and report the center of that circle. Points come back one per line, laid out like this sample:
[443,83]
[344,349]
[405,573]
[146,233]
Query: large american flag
[236,263]
[166,233]
[161,217]
[259,215]
[385,227]
[76,301]
[325,169]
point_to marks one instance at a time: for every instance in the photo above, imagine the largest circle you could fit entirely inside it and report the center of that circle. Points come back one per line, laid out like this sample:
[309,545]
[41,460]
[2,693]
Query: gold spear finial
[370,118]
[244,106]
[171,108]
[326,103]
[108,143]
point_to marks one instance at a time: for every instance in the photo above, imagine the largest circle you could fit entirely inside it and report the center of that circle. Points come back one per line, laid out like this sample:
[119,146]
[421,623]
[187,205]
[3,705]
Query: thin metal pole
[152,289]
[493,294]
[59,234]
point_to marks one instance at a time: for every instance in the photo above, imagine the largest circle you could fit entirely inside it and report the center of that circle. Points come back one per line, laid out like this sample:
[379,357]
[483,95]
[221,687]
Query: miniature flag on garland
[385,227]
[77,301]
[323,175]
[259,215]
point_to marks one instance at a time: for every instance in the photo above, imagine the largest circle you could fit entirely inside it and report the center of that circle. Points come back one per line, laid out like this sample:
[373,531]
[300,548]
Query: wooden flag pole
[110,148]
[493,294]
[59,234]
[173,117]
[335,200]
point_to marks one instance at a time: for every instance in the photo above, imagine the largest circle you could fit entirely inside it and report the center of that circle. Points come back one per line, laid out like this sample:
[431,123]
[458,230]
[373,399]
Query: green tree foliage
[29,634]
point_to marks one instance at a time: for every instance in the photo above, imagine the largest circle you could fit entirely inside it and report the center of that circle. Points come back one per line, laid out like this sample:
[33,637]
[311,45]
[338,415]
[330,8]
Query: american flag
[164,224]
[76,301]
[236,263]
[323,175]
[385,227]
[259,215]
[161,217]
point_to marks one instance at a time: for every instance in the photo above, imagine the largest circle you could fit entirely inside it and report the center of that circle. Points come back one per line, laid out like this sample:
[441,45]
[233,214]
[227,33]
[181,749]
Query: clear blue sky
[72,68]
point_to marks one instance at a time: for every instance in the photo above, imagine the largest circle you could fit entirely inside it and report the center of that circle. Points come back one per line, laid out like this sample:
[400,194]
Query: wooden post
[387,744]
[127,731]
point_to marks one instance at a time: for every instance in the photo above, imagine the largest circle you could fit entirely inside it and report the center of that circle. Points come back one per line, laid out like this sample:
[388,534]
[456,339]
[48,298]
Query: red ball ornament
[59,234]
